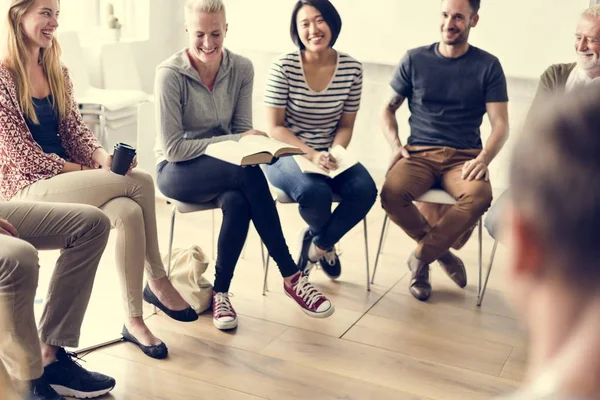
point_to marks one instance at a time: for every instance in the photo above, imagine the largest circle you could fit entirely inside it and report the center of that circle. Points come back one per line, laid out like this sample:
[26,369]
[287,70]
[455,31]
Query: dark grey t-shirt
[447,96]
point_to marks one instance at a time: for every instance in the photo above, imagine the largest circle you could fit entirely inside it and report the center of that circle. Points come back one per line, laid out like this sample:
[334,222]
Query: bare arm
[478,167]
[498,115]
[8,229]
[345,130]
[73,167]
[101,157]
[277,130]
[389,124]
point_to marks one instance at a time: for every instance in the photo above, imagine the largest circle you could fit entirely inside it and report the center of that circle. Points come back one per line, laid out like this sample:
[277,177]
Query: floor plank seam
[370,308]
[168,371]
[507,360]
[260,351]
[433,362]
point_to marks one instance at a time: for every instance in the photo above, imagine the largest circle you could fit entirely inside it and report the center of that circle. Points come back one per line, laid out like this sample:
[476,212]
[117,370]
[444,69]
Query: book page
[307,167]
[228,150]
[344,159]
[258,143]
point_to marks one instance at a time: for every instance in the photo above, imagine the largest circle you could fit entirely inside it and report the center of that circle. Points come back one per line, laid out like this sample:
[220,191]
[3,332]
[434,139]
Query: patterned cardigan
[22,160]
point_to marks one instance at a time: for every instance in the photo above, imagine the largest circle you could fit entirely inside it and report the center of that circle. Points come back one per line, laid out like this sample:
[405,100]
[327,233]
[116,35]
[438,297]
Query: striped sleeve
[277,87]
[352,103]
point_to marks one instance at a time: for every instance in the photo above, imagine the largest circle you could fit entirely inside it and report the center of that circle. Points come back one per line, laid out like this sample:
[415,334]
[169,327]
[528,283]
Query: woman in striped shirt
[312,97]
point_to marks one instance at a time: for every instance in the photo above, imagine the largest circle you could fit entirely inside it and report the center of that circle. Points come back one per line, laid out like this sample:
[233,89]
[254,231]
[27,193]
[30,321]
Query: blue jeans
[314,193]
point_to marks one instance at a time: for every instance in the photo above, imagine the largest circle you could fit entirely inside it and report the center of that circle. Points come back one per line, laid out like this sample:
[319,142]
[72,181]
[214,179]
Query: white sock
[313,254]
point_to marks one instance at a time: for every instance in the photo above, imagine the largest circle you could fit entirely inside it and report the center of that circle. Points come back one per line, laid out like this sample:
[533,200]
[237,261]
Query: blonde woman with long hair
[48,154]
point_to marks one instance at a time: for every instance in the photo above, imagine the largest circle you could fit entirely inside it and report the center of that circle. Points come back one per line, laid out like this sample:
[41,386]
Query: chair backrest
[74,58]
[119,68]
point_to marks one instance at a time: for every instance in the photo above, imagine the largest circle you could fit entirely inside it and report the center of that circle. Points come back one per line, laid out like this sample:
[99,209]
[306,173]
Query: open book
[344,159]
[251,150]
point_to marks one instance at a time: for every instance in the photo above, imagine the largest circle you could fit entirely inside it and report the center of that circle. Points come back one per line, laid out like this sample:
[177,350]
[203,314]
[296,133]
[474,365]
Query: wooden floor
[382,344]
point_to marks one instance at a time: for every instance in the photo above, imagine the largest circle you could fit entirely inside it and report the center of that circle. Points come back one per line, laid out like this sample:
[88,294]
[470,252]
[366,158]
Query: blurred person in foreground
[553,226]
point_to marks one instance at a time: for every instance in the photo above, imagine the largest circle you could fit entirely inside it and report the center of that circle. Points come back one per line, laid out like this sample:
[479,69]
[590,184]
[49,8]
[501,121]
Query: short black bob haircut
[329,13]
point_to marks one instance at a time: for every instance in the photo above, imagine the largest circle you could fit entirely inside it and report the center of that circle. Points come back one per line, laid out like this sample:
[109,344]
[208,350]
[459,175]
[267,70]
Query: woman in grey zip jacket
[203,96]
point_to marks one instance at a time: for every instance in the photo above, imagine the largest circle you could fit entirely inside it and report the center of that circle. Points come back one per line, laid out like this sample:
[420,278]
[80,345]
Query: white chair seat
[186,208]
[437,196]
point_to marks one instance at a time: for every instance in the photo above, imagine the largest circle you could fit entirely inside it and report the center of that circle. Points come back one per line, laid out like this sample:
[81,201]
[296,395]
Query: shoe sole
[451,276]
[299,248]
[65,391]
[420,298]
[309,264]
[332,277]
[173,314]
[225,326]
[323,314]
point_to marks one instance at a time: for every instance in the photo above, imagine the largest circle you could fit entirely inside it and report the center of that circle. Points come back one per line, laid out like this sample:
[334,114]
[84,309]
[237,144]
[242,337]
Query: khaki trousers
[129,202]
[410,178]
[81,233]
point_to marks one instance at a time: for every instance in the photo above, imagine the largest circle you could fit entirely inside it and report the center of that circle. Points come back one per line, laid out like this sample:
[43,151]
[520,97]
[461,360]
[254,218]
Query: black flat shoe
[187,315]
[159,351]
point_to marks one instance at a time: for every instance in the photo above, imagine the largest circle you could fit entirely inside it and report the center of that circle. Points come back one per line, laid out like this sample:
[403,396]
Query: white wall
[167,36]
[527,35]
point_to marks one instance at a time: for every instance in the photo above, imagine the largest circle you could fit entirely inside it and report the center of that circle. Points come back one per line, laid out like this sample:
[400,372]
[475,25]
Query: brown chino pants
[429,167]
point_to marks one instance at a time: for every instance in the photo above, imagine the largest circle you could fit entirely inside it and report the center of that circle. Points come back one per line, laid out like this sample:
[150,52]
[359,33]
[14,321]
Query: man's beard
[588,63]
[459,38]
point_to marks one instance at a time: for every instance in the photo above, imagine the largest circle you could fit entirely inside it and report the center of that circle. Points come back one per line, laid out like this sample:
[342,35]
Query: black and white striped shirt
[314,116]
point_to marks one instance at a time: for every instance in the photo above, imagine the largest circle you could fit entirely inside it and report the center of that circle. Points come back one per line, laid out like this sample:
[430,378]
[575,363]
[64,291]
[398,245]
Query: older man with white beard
[566,77]
[563,78]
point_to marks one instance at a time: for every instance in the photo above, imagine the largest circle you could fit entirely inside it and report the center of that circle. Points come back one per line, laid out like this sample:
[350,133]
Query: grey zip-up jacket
[190,116]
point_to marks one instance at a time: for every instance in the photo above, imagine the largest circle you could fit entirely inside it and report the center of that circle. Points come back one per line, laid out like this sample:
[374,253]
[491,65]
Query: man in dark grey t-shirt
[449,87]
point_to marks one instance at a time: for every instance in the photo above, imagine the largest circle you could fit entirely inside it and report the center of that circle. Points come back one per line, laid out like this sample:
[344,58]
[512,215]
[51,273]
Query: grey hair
[593,11]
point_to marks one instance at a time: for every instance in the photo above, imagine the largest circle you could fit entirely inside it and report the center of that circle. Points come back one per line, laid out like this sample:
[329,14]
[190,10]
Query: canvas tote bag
[187,267]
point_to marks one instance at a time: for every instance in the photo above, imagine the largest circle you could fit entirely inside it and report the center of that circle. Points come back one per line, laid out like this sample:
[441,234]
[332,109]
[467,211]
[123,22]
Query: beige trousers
[81,232]
[129,202]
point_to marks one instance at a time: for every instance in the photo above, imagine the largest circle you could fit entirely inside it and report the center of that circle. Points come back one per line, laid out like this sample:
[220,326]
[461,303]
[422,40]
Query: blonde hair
[206,6]
[14,56]
[593,11]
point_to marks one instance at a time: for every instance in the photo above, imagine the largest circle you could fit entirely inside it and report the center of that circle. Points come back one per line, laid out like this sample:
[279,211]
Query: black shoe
[159,351]
[302,261]
[70,379]
[331,265]
[40,389]
[187,315]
